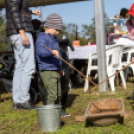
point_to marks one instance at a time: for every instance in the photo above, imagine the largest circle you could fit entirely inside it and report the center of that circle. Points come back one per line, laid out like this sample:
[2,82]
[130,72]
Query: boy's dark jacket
[46,60]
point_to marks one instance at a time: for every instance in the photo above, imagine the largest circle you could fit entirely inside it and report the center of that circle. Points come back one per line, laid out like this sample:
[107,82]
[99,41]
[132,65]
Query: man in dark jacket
[18,29]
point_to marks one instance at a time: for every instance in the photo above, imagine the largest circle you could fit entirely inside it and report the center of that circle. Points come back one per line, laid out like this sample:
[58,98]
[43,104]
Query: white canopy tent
[35,3]
[100,31]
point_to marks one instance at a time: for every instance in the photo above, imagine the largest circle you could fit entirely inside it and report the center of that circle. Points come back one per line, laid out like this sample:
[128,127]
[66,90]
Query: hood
[131,10]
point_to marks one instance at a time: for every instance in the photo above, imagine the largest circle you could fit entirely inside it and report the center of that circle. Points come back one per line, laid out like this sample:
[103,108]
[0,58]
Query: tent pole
[41,13]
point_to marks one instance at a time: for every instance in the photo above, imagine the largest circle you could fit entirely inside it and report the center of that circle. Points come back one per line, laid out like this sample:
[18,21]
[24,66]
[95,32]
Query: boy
[49,64]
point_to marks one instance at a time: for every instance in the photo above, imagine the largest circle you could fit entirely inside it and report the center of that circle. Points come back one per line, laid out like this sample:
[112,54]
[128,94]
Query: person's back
[18,16]
[46,60]
[123,19]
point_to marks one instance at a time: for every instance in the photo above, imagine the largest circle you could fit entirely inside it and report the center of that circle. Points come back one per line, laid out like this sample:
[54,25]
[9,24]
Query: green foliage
[71,32]
[83,41]
[87,34]
[3,42]
[89,30]
[26,122]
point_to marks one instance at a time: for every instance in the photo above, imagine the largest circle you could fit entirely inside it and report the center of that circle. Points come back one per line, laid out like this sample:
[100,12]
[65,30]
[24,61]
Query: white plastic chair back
[113,61]
[113,53]
[127,55]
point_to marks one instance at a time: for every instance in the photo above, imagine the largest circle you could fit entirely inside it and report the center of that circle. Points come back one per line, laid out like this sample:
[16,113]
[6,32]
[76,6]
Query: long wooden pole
[112,75]
[75,69]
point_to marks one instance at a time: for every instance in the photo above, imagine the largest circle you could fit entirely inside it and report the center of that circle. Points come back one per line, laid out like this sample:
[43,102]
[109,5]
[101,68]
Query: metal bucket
[49,117]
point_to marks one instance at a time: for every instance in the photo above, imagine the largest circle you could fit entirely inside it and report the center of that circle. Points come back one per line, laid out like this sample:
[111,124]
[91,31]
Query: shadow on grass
[78,85]
[128,98]
[6,99]
[2,88]
[70,100]
[62,123]
[88,123]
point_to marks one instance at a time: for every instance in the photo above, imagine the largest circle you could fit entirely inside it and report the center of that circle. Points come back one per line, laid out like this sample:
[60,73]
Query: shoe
[64,114]
[27,105]
[15,105]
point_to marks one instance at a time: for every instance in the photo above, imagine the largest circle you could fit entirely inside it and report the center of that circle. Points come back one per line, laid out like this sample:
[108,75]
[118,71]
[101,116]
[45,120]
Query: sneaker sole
[66,115]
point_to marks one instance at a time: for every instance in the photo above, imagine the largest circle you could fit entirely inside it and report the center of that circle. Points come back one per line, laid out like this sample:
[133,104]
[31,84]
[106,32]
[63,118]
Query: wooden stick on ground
[112,75]
[75,69]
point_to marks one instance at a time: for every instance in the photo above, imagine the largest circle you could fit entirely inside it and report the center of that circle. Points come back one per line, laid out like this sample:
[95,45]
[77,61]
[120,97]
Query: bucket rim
[54,106]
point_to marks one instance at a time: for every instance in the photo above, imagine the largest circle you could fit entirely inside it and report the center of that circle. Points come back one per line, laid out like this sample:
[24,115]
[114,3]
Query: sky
[82,12]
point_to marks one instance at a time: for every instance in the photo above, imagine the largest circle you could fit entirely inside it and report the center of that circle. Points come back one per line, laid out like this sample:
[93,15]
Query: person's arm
[15,14]
[62,72]
[17,20]
[130,28]
[133,60]
[41,49]
[36,12]
[24,38]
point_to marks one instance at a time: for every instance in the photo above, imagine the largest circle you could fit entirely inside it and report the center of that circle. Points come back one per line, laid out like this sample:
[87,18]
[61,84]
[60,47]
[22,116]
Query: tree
[89,30]
[70,30]
[3,41]
[83,41]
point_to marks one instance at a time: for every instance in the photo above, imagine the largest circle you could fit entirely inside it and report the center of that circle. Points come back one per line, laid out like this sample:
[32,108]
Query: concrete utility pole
[101,42]
[41,13]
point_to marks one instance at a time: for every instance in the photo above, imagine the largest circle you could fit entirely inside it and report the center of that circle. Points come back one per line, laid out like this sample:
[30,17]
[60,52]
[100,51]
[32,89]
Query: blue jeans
[24,67]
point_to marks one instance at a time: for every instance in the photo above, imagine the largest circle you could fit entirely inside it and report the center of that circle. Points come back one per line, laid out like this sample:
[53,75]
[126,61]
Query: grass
[26,122]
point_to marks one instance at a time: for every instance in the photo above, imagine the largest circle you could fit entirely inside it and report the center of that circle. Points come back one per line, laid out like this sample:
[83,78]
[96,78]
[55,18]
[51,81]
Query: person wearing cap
[49,63]
[18,29]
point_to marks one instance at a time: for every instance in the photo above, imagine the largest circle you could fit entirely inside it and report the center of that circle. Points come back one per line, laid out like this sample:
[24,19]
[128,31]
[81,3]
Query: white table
[83,52]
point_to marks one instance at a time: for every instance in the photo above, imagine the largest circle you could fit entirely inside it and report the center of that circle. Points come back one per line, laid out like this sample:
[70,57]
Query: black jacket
[18,16]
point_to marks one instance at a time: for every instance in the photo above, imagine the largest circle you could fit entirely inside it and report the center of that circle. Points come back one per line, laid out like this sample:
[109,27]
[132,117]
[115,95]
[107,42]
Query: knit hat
[54,21]
[131,10]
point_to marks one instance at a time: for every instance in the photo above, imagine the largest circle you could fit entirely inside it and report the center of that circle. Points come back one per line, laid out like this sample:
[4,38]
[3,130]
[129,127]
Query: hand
[55,53]
[24,38]
[62,72]
[129,35]
[37,12]
[133,60]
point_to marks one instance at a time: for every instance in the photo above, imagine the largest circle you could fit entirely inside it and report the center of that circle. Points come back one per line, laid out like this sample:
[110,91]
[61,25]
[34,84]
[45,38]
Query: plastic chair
[127,55]
[113,62]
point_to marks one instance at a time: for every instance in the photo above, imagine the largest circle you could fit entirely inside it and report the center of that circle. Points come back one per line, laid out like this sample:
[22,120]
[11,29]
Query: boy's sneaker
[27,105]
[15,106]
[64,114]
